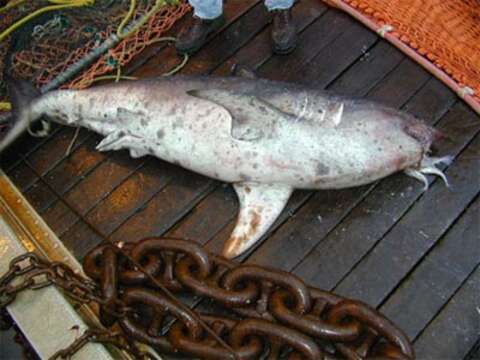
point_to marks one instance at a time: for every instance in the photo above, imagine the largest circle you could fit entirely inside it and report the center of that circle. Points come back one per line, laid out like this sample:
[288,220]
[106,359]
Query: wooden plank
[54,150]
[130,196]
[164,210]
[59,217]
[456,329]
[238,34]
[39,195]
[23,146]
[474,353]
[400,84]
[100,182]
[22,176]
[341,53]
[79,239]
[314,39]
[335,255]
[209,217]
[230,37]
[46,157]
[372,68]
[74,169]
[259,49]
[67,174]
[63,178]
[418,231]
[418,299]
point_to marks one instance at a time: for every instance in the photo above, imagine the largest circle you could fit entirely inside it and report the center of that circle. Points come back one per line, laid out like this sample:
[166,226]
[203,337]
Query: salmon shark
[265,137]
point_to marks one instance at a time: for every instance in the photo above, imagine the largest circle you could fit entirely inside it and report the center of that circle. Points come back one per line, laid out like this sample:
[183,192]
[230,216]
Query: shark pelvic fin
[260,206]
[118,140]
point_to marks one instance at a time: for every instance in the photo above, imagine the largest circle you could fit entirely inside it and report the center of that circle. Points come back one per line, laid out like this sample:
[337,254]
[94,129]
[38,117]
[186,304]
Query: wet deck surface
[412,254]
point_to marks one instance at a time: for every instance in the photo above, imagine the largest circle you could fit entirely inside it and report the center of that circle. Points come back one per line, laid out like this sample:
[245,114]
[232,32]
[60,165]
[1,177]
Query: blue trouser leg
[278,4]
[207,9]
[211,9]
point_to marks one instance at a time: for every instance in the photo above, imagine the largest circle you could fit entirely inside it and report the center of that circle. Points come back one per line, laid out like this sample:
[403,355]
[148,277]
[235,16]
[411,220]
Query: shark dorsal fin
[252,118]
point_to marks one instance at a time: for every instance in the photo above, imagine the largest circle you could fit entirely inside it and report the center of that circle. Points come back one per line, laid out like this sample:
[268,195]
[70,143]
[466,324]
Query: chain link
[280,309]
[277,314]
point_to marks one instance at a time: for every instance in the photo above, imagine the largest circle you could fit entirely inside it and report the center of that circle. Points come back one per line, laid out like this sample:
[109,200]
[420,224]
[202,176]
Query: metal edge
[35,236]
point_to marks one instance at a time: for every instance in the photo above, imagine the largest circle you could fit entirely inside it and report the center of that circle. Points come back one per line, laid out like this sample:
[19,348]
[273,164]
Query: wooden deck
[414,255]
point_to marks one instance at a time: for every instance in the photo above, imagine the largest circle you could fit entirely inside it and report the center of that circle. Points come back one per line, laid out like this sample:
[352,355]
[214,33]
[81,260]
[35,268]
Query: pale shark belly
[324,159]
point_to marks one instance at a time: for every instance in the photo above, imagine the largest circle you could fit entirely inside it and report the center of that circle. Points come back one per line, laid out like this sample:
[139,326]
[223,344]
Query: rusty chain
[274,314]
[111,337]
[29,271]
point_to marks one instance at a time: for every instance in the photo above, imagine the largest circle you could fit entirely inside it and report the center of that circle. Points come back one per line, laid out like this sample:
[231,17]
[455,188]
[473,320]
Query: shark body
[267,138]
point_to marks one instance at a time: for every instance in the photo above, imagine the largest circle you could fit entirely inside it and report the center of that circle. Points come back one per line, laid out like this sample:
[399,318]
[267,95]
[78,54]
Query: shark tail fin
[22,94]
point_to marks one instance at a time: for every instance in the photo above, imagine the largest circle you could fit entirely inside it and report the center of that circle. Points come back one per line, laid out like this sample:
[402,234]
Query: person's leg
[207,18]
[284,32]
[278,4]
[207,9]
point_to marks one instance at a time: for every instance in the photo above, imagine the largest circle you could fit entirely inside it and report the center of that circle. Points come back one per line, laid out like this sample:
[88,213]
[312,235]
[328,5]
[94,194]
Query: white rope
[464,91]
[383,30]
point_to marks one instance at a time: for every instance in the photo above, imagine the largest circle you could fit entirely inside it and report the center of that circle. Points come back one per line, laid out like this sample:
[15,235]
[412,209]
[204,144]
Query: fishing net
[47,45]
[443,35]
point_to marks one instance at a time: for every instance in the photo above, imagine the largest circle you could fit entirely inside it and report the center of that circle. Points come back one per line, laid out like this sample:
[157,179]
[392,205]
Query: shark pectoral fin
[252,118]
[260,206]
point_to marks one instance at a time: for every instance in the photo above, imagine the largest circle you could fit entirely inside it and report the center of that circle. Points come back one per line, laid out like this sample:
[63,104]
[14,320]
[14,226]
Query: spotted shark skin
[265,137]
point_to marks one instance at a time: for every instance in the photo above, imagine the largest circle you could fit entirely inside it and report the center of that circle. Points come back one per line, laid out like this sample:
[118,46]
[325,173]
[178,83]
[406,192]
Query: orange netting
[67,36]
[124,52]
[446,32]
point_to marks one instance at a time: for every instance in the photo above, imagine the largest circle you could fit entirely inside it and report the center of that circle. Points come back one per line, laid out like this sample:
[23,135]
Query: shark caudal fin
[22,94]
